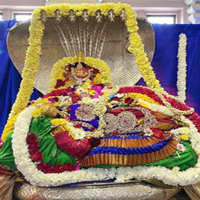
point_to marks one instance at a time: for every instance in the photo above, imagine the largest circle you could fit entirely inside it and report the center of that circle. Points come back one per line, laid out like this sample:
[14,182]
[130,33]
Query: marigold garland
[36,33]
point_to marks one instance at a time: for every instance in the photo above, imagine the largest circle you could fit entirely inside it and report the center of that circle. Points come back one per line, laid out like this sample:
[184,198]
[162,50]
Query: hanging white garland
[182,64]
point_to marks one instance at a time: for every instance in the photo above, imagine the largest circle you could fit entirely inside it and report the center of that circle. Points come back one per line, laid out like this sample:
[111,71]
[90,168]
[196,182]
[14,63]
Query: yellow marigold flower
[69,83]
[85,86]
[36,113]
[129,99]
[105,93]
[184,137]
[60,75]
[92,92]
[56,104]
[98,79]
[57,122]
[88,82]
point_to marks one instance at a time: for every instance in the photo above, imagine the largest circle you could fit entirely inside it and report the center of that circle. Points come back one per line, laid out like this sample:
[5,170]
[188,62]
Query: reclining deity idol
[87,129]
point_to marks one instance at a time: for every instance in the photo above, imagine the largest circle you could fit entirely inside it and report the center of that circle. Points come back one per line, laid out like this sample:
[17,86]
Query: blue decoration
[9,77]
[130,151]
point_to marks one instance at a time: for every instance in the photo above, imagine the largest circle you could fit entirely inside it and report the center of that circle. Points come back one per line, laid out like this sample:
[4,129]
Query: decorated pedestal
[88,137]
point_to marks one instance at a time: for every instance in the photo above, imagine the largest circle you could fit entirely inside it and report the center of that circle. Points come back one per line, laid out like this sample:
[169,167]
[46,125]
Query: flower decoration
[40,178]
[78,142]
[37,156]
[129,99]
[176,169]
[31,139]
[148,132]
[36,113]
[181,74]
[184,137]
[98,79]
[181,147]
[103,72]
[57,122]
[35,39]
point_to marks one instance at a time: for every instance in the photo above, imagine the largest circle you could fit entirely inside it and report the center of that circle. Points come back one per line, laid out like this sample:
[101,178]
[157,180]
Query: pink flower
[77,167]
[96,95]
[97,89]
[52,100]
[67,118]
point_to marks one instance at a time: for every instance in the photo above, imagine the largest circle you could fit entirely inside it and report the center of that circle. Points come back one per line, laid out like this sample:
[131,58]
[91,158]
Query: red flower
[128,100]
[45,168]
[77,126]
[95,71]
[41,166]
[158,133]
[75,98]
[37,156]
[69,66]
[32,149]
[141,90]
[58,92]
[69,167]
[59,83]
[36,144]
[31,138]
[58,168]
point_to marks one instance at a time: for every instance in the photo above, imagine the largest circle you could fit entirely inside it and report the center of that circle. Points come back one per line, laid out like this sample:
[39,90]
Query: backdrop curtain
[9,77]
[164,64]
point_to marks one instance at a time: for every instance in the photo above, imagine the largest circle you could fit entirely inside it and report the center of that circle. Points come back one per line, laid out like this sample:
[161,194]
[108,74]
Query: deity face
[81,72]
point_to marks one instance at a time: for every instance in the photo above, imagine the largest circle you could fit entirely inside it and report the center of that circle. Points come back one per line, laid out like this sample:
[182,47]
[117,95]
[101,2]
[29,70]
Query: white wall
[142,7]
[8,7]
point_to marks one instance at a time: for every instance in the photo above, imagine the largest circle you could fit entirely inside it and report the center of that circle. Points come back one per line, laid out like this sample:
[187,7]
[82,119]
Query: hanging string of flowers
[182,64]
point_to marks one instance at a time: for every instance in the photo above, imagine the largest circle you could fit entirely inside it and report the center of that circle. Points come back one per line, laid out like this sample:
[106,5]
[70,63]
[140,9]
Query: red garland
[194,117]
[37,156]
[150,93]
[176,104]
[64,92]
